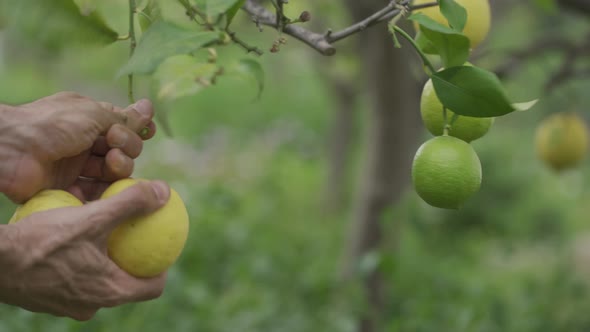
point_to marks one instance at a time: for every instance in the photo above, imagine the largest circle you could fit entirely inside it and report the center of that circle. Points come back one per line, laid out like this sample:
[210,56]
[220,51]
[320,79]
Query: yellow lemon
[446,171]
[561,140]
[478,18]
[43,201]
[149,245]
[464,127]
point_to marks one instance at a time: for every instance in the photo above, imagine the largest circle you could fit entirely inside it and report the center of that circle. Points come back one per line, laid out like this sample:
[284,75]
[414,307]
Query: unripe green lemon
[45,200]
[465,127]
[561,140]
[446,171]
[478,18]
[147,246]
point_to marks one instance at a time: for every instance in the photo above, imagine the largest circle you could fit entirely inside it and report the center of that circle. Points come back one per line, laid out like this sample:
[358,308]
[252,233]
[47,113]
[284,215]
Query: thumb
[138,200]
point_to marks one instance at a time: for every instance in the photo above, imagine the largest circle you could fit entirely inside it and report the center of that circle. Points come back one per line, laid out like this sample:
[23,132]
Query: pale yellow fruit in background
[478,18]
[43,201]
[149,245]
[561,140]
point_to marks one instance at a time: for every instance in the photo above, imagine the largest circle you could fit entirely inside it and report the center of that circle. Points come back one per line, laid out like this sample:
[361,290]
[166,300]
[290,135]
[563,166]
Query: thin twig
[193,12]
[323,42]
[132,45]
[369,21]
[243,44]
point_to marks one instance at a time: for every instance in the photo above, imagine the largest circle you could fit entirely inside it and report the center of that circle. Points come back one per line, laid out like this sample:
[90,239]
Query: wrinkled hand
[53,141]
[57,262]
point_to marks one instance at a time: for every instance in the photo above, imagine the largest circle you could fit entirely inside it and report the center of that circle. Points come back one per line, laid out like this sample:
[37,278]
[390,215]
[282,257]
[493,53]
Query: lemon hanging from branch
[478,18]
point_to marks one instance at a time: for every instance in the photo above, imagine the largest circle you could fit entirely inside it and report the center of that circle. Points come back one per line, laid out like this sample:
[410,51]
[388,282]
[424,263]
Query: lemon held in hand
[478,18]
[45,200]
[561,140]
[446,171]
[149,245]
[465,127]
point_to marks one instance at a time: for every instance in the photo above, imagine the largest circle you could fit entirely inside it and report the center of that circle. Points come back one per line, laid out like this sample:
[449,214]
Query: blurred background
[302,214]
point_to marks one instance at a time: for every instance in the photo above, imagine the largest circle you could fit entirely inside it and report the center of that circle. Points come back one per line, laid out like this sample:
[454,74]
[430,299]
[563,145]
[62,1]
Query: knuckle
[156,292]
[142,196]
[84,315]
[150,293]
[112,302]
[107,106]
[67,94]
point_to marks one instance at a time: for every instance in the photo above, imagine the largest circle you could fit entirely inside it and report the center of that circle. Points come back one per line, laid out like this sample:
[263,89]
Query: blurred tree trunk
[393,128]
[340,140]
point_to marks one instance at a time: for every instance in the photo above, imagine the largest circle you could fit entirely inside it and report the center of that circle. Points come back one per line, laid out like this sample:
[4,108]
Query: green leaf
[250,70]
[183,75]
[549,6]
[525,106]
[150,14]
[59,22]
[231,13]
[217,7]
[161,41]
[471,91]
[452,46]
[424,43]
[455,14]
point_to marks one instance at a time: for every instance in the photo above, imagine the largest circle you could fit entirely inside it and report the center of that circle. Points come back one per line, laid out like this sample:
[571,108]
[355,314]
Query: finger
[149,131]
[143,289]
[107,106]
[137,200]
[86,189]
[82,315]
[124,139]
[139,115]
[100,147]
[113,166]
[105,118]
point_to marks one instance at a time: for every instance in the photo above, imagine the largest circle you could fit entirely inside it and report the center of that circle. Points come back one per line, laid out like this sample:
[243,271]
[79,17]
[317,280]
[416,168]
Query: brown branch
[362,25]
[323,42]
[581,6]
[567,69]
[264,17]
[571,51]
[537,49]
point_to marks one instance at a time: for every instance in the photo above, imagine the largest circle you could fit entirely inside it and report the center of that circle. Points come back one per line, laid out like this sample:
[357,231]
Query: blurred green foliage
[264,254]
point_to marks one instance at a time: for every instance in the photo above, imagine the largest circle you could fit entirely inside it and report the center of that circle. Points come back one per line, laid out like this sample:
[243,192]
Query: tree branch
[571,53]
[262,16]
[323,42]
[582,6]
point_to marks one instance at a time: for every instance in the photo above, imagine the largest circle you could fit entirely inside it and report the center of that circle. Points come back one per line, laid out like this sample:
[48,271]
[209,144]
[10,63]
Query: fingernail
[143,107]
[161,190]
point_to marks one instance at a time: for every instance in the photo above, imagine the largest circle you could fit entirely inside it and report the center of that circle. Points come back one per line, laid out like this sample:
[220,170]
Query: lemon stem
[416,47]
[132,44]
[447,126]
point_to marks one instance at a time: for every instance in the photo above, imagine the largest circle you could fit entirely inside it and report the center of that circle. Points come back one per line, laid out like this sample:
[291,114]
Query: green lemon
[148,245]
[464,127]
[45,200]
[446,171]
[561,140]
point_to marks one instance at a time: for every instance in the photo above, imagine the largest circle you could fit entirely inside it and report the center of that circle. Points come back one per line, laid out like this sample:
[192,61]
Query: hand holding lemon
[58,259]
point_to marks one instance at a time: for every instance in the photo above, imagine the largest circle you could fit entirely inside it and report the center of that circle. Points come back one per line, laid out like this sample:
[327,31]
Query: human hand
[53,141]
[56,261]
